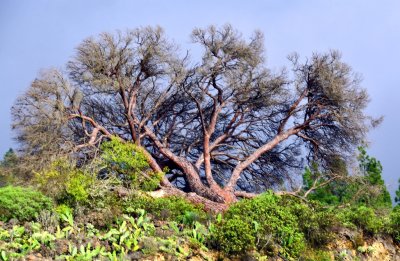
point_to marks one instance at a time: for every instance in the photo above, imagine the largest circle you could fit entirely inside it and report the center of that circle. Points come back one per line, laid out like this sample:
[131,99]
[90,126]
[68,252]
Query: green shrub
[23,204]
[235,236]
[169,208]
[128,162]
[65,182]
[63,209]
[364,218]
[316,222]
[78,184]
[316,255]
[395,223]
[268,221]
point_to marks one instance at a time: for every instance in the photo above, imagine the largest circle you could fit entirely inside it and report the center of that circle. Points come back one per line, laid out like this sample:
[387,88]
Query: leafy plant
[83,252]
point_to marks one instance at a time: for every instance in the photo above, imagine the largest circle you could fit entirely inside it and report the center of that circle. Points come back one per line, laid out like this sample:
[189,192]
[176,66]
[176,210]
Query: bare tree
[224,125]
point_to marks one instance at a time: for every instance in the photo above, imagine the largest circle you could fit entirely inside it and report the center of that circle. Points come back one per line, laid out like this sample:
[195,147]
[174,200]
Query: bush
[395,223]
[128,162]
[316,222]
[23,204]
[364,218]
[235,236]
[78,184]
[265,220]
[169,208]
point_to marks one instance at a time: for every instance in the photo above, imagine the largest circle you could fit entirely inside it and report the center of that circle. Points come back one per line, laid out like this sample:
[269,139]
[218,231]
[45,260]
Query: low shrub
[64,182]
[169,208]
[316,255]
[128,162]
[78,184]
[260,222]
[235,236]
[395,223]
[24,204]
[363,218]
[317,223]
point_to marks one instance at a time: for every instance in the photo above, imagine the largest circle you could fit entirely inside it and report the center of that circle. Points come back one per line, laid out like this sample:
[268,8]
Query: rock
[61,246]
[135,255]
[31,258]
[122,192]
[13,222]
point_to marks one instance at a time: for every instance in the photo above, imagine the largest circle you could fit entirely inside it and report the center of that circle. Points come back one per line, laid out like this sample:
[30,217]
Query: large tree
[224,124]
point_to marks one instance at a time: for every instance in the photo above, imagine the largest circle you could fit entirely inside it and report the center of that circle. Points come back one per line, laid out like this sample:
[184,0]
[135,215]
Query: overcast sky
[39,34]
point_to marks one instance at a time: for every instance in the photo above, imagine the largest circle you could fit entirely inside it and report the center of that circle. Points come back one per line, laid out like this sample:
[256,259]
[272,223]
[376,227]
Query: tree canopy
[224,125]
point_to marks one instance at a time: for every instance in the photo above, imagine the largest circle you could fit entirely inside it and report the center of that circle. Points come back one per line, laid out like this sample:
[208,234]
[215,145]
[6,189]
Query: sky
[40,34]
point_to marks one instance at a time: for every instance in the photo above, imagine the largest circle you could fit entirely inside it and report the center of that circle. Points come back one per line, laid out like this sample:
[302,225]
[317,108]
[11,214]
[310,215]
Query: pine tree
[9,160]
[397,198]
[372,171]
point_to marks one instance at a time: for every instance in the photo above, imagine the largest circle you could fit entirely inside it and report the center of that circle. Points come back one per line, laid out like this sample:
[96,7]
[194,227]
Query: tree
[8,166]
[397,198]
[372,169]
[10,159]
[336,187]
[224,125]
[332,186]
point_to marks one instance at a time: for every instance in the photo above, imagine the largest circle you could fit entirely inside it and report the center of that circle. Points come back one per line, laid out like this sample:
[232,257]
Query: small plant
[343,255]
[371,249]
[362,249]
[83,252]
[4,256]
[48,220]
[190,218]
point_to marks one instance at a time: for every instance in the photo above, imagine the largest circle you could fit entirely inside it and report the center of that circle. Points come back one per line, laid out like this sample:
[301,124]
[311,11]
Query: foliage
[267,221]
[316,222]
[169,208]
[263,227]
[364,218]
[333,193]
[8,166]
[10,159]
[397,198]
[61,180]
[366,190]
[22,203]
[78,184]
[127,161]
[372,170]
[235,236]
[395,223]
[316,255]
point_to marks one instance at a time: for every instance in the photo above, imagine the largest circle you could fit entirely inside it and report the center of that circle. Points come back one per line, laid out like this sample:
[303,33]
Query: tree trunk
[208,205]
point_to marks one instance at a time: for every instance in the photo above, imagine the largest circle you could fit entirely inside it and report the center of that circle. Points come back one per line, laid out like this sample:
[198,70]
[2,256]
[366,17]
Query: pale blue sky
[38,34]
